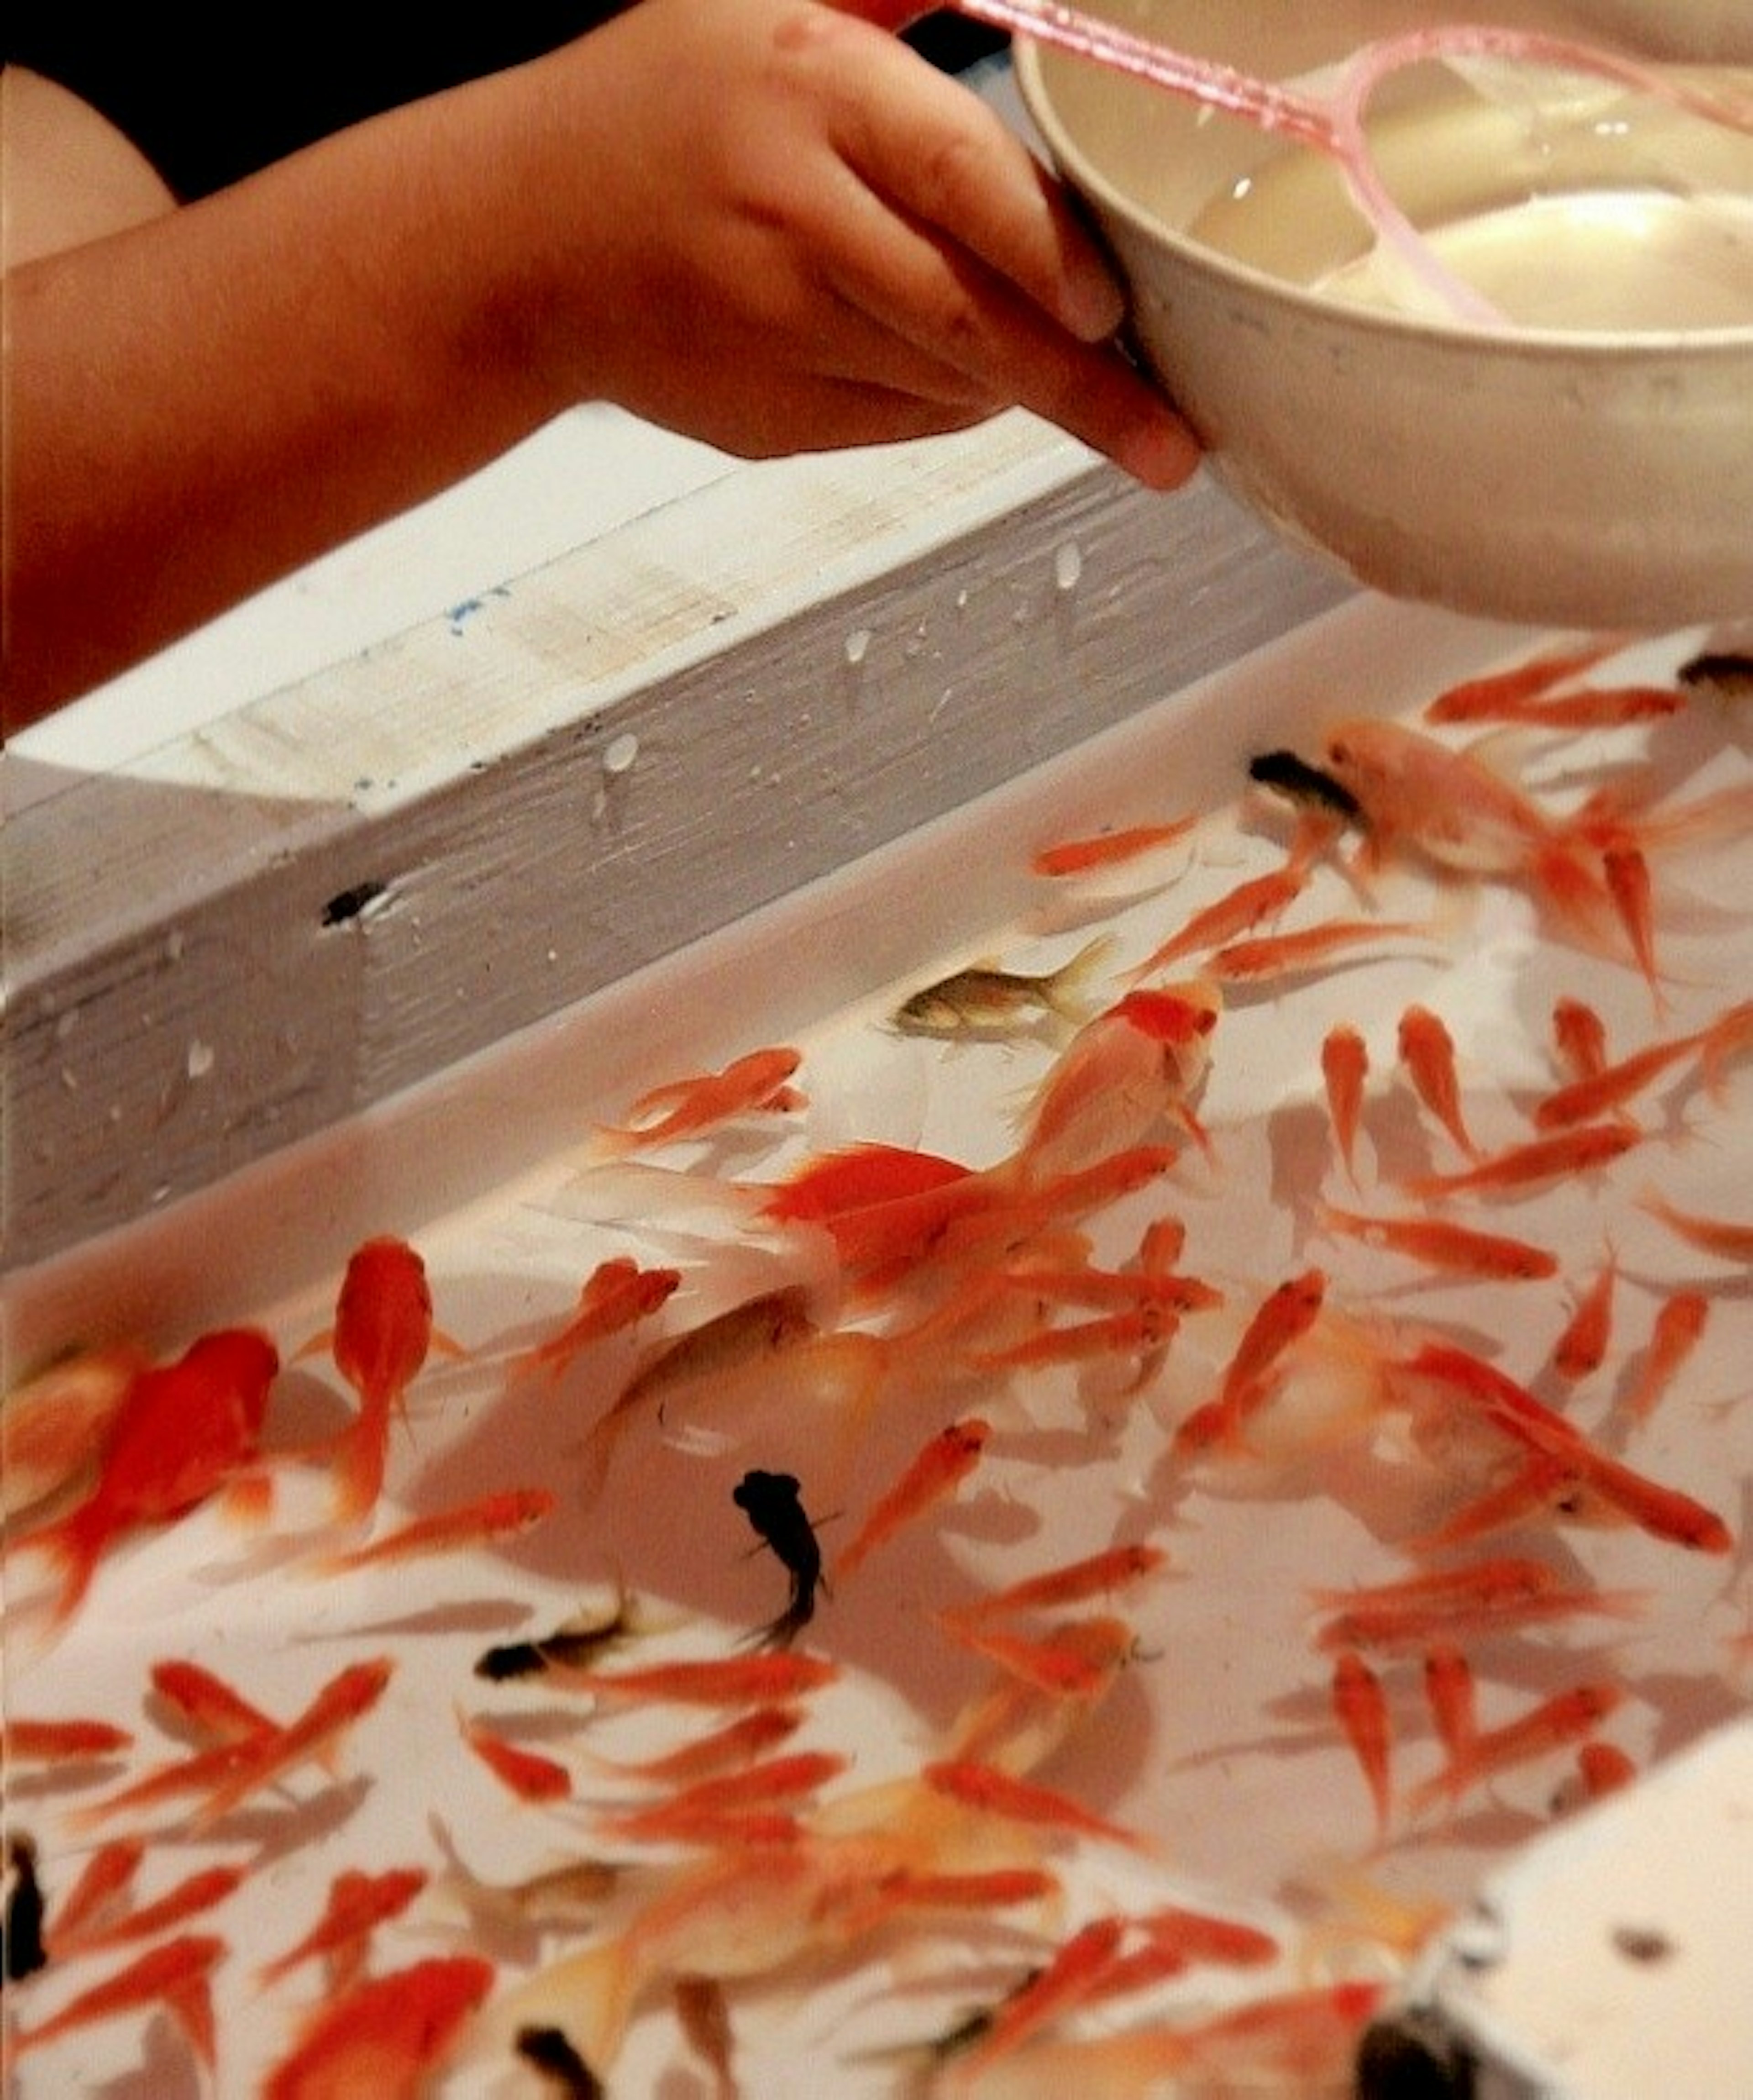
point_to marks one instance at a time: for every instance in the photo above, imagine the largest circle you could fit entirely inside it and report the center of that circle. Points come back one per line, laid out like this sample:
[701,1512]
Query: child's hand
[771,225]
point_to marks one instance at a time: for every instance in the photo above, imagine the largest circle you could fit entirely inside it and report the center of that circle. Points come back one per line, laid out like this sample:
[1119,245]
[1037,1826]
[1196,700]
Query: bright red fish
[183,1431]
[385,2036]
[382,1333]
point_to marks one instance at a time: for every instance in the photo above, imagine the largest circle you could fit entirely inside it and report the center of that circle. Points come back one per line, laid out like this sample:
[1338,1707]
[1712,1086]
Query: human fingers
[962,243]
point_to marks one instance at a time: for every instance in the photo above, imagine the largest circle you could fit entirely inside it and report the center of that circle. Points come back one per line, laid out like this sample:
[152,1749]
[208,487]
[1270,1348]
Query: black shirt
[212,96]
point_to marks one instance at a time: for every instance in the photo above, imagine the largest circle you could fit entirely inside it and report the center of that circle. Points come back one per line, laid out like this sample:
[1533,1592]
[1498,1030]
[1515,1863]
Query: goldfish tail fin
[357,1457]
[588,1996]
[75,1544]
[1068,989]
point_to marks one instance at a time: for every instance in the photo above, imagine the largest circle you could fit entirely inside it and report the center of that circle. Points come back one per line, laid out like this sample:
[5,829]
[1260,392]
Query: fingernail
[1162,453]
[1091,305]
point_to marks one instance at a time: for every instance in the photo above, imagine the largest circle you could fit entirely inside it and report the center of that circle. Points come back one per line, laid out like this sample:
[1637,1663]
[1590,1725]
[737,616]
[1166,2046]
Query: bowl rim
[1028,58]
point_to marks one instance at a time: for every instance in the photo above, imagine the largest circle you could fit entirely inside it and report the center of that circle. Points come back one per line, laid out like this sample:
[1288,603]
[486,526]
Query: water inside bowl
[1562,204]
[1503,177]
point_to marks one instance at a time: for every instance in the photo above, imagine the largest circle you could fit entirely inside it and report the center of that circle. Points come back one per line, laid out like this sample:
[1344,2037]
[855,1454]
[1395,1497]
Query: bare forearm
[762,223]
[201,404]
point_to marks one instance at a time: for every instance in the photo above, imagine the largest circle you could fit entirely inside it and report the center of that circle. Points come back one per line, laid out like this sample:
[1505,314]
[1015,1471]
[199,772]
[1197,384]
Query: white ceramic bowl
[1592,469]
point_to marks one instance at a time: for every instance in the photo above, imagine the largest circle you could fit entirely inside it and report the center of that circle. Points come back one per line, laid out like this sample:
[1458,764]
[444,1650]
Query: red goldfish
[182,1432]
[385,2036]
[382,1332]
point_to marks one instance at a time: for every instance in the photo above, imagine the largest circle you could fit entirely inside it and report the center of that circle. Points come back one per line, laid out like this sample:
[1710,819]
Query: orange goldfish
[1611,1086]
[57,1420]
[208,1703]
[1442,1244]
[1455,810]
[1501,696]
[1427,1050]
[937,1471]
[195,1893]
[1308,948]
[1260,898]
[718,1801]
[1603,1768]
[1562,1452]
[1140,1062]
[1082,856]
[1361,1707]
[1200,1936]
[1141,1328]
[1583,1149]
[526,1773]
[694,1107]
[358,1904]
[738,1680]
[1453,1699]
[1066,1664]
[507,1513]
[1494,1595]
[1728,1238]
[1626,872]
[173,1974]
[1345,1071]
[993,1792]
[1068,1979]
[383,1330]
[25,1741]
[1284,1315]
[103,1883]
[347,1695]
[1680,1321]
[1487,1753]
[384,2036]
[617,1294]
[1095,1575]
[1583,1346]
[183,1431]
[858,1176]
[1579,1036]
